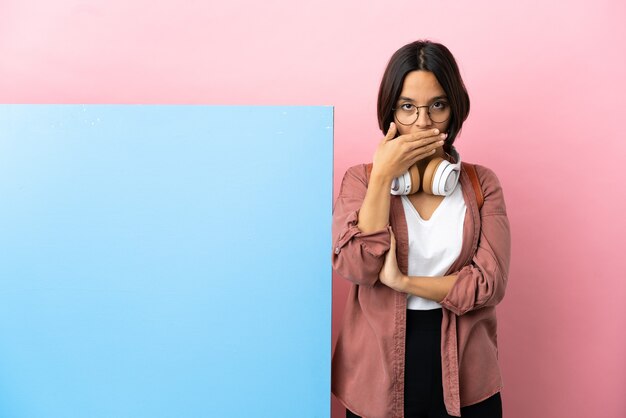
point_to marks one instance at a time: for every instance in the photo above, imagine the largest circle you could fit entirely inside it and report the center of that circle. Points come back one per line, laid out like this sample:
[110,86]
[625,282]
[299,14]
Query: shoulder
[492,189]
[355,175]
[358,170]
[487,177]
[484,173]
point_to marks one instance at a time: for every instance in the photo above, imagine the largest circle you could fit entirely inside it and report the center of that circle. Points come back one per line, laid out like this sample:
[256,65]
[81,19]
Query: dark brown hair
[428,56]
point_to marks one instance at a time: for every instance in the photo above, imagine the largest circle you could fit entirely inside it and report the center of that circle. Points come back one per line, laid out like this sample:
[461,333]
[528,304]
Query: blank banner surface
[165,261]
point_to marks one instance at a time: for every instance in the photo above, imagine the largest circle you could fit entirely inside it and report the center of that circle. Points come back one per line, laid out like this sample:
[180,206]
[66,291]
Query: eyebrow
[408,99]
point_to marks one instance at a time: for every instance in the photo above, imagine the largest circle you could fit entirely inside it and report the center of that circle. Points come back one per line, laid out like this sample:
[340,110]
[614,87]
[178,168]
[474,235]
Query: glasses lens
[406,115]
[439,111]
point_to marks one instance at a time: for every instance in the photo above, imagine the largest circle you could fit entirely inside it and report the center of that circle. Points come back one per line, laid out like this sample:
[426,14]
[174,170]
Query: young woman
[428,263]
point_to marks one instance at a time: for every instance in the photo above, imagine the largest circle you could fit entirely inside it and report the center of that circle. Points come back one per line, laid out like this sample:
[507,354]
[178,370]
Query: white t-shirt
[434,244]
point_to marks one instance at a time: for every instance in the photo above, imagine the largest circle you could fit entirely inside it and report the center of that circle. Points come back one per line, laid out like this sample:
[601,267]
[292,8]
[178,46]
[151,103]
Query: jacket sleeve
[357,257]
[483,281]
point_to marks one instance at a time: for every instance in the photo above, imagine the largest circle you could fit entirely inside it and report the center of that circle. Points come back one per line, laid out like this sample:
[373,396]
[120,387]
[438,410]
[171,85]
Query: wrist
[380,178]
[403,283]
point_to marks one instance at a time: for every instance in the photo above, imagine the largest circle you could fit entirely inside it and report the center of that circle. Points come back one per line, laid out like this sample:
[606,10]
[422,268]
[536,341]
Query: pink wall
[547,86]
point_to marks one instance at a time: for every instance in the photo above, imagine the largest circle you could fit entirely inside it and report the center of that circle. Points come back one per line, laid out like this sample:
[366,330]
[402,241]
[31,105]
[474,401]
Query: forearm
[432,288]
[374,212]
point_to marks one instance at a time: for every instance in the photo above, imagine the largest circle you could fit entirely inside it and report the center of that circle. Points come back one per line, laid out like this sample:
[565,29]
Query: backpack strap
[471,172]
[469,169]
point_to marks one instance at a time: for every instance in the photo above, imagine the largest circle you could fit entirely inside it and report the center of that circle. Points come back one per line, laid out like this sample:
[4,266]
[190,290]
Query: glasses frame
[417,113]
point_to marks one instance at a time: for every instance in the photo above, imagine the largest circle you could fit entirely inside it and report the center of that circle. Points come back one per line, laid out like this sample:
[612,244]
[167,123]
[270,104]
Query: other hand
[390,275]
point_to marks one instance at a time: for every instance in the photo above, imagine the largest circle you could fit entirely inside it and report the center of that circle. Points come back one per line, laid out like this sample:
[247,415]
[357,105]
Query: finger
[426,136]
[423,152]
[418,155]
[391,133]
[426,145]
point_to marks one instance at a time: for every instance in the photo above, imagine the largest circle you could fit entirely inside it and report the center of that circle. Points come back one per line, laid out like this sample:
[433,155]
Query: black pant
[423,389]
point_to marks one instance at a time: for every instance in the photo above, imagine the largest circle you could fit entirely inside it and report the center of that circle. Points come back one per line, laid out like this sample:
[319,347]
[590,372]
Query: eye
[407,107]
[439,105]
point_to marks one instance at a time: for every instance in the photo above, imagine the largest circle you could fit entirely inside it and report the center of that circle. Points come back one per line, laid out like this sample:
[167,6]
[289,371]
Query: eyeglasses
[408,113]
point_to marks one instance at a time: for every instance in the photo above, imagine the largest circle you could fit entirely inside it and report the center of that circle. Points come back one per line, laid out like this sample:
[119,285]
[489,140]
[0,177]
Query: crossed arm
[363,256]
[433,288]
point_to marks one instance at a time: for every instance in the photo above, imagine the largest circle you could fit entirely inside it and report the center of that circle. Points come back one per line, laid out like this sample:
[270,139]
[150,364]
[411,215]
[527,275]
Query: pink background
[546,82]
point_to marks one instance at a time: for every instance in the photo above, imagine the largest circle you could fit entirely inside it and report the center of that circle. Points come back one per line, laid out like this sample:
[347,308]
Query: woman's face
[421,88]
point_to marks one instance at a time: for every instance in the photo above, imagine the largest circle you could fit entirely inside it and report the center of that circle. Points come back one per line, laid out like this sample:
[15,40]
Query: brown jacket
[368,358]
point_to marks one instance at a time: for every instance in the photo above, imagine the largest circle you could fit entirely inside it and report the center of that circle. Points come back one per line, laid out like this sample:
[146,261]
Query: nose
[423,120]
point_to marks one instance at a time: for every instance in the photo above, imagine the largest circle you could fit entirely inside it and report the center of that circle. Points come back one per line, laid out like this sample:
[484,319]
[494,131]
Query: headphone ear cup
[415,179]
[429,174]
